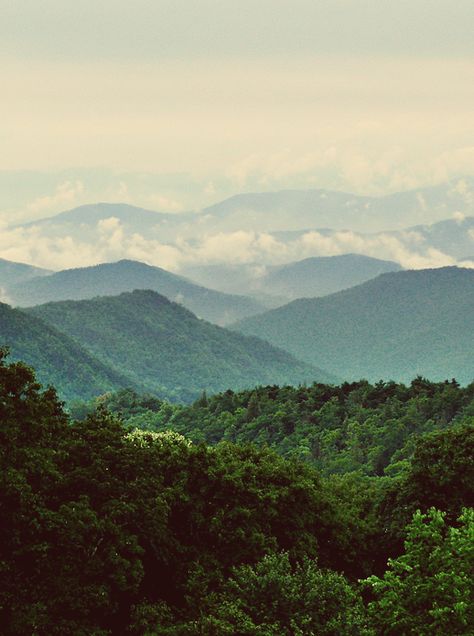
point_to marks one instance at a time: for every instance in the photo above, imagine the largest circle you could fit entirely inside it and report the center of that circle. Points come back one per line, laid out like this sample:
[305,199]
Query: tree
[276,598]
[428,590]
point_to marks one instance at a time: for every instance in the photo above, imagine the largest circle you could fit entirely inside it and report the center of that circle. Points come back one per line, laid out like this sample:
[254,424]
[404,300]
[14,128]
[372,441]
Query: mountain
[83,222]
[277,211]
[426,227]
[396,326]
[323,275]
[301,209]
[12,273]
[58,360]
[110,279]
[166,349]
[316,276]
[453,236]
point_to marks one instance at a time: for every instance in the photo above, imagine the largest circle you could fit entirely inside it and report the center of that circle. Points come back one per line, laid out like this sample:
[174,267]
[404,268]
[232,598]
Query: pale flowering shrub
[145,439]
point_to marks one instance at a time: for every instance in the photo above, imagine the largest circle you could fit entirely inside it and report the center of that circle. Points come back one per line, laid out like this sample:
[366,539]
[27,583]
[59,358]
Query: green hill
[57,359]
[165,348]
[110,279]
[396,326]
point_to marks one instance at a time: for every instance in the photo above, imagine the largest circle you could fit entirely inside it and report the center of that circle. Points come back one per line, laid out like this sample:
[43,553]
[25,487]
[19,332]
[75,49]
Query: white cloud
[405,249]
[66,194]
[30,245]
[163,203]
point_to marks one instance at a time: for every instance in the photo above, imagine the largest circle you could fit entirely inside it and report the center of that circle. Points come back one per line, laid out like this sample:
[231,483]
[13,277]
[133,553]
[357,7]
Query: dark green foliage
[441,475]
[353,427]
[430,588]
[442,470]
[396,326]
[275,598]
[97,520]
[110,530]
[165,349]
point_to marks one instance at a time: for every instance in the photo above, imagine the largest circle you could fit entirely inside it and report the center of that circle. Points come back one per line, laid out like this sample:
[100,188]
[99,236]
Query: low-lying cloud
[112,242]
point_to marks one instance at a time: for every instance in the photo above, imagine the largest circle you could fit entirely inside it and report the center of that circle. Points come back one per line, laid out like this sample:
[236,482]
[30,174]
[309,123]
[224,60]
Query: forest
[116,523]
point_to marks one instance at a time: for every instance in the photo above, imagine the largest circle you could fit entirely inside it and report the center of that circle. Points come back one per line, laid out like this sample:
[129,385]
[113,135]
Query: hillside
[109,279]
[275,285]
[57,359]
[166,349]
[396,326]
[12,273]
[323,275]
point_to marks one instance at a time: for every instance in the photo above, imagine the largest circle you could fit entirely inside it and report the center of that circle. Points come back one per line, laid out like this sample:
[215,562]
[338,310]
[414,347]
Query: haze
[175,105]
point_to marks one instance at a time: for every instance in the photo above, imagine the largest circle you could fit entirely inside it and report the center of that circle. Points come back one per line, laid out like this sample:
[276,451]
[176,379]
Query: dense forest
[165,349]
[356,426]
[57,359]
[109,528]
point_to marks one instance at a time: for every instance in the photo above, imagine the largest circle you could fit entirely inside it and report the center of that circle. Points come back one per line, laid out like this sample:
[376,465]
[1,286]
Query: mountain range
[396,326]
[109,279]
[316,276]
[163,348]
[302,209]
[271,228]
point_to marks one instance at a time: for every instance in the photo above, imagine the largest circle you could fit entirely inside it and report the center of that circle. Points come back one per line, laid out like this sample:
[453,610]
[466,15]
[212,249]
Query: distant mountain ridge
[92,213]
[165,348]
[285,210]
[396,326]
[12,272]
[310,277]
[316,208]
[109,279]
[426,227]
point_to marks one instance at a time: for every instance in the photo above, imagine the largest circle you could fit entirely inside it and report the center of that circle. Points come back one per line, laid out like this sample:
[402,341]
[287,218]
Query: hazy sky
[230,96]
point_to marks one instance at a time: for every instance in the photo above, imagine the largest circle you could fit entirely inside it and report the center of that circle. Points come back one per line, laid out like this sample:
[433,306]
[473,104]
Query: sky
[173,105]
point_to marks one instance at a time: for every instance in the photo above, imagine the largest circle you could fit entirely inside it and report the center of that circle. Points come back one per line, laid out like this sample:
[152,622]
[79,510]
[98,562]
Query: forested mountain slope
[397,326]
[165,348]
[57,358]
[109,279]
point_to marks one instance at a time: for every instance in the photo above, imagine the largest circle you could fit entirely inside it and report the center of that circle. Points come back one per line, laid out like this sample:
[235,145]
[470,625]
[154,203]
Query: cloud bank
[30,245]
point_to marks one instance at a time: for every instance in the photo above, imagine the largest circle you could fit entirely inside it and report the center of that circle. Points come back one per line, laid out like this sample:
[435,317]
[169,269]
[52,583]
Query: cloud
[164,203]
[459,217]
[259,249]
[66,194]
[405,248]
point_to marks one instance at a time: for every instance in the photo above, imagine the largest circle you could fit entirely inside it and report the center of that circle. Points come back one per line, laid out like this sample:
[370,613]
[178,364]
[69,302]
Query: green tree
[276,598]
[428,590]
